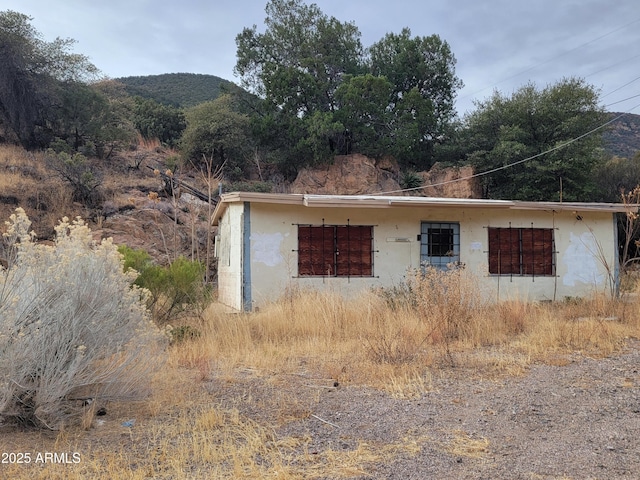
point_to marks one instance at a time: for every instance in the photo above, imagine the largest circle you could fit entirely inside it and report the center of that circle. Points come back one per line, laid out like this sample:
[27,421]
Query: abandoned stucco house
[530,250]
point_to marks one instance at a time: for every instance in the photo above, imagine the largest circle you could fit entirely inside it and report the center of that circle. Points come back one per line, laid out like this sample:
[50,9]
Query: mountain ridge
[176,89]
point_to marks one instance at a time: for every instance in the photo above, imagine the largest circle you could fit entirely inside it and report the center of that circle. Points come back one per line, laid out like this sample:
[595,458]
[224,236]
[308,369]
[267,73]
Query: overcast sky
[498,44]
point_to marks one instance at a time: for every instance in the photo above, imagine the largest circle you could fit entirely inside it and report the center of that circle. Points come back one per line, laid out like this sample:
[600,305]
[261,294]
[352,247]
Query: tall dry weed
[446,299]
[598,325]
[449,306]
[394,336]
[433,320]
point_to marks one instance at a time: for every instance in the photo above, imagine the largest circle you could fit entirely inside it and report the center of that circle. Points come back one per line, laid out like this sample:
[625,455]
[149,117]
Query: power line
[552,58]
[611,66]
[623,100]
[619,88]
[503,167]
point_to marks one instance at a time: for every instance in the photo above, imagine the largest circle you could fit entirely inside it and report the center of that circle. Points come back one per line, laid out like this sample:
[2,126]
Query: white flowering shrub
[72,326]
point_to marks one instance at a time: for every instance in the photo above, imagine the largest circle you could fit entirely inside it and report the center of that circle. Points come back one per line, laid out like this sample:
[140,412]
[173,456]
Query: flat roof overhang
[382,201]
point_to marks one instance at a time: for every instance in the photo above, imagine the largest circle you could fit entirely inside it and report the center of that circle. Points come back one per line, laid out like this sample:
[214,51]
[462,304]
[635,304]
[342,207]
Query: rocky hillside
[347,175]
[140,209]
[623,137]
[137,207]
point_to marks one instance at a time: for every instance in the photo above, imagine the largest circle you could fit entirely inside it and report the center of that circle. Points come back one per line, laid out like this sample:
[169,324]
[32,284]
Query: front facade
[267,243]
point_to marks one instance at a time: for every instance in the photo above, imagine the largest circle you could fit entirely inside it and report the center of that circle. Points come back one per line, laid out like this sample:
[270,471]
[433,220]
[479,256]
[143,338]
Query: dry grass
[182,432]
[464,445]
[186,436]
[25,182]
[368,340]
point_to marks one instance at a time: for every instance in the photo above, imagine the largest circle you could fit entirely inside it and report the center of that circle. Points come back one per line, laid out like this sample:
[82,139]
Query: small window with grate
[439,244]
[521,251]
[335,250]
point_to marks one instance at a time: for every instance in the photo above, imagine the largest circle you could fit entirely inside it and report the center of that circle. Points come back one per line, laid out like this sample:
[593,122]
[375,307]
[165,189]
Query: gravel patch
[577,421]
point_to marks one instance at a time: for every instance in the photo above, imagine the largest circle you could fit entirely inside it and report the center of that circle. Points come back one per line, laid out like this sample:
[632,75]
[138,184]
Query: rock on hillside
[164,227]
[445,184]
[347,175]
[357,175]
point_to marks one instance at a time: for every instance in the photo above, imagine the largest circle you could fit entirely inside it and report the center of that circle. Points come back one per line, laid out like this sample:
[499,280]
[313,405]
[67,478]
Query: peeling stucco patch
[581,260]
[265,248]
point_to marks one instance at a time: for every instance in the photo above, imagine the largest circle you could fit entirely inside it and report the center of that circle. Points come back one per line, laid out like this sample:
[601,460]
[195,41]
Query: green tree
[116,130]
[410,144]
[396,98]
[296,66]
[80,114]
[154,120]
[23,87]
[363,110]
[281,139]
[216,131]
[92,119]
[298,62]
[30,74]
[84,179]
[175,289]
[422,72]
[505,130]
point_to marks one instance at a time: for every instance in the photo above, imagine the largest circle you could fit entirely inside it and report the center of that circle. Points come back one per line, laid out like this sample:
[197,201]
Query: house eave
[381,201]
[576,206]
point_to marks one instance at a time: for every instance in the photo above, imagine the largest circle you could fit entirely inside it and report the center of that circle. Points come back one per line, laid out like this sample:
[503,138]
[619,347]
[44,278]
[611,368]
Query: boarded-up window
[335,250]
[521,251]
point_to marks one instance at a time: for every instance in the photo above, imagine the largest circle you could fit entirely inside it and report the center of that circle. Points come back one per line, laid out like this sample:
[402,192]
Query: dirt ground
[579,420]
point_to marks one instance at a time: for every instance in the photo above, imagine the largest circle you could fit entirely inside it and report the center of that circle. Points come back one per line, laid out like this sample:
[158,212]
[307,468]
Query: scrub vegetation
[393,341]
[117,360]
[72,329]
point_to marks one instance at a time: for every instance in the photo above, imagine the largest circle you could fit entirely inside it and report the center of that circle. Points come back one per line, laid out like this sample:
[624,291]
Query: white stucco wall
[580,243]
[229,252]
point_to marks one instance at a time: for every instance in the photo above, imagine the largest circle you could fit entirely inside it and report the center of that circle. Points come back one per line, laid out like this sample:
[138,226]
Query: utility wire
[503,167]
[623,100]
[621,87]
[566,52]
[626,60]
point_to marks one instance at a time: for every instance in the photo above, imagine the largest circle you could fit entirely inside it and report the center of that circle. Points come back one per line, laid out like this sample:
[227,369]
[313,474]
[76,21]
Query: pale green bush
[72,326]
